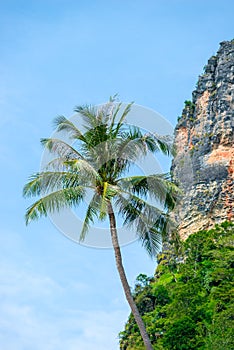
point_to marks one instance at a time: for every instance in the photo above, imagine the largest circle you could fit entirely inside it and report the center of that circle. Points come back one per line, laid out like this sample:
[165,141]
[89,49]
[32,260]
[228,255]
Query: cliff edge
[204,140]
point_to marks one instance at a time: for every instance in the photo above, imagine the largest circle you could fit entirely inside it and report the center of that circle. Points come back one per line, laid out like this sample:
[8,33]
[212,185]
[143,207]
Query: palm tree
[103,154]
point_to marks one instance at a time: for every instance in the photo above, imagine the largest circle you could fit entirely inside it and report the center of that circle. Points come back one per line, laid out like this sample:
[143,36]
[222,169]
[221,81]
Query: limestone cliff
[204,139]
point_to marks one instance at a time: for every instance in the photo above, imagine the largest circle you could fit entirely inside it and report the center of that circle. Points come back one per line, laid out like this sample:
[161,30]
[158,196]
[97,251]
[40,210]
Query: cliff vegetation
[188,304]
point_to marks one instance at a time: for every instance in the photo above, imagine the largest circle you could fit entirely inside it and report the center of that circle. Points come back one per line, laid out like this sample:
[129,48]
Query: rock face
[204,139]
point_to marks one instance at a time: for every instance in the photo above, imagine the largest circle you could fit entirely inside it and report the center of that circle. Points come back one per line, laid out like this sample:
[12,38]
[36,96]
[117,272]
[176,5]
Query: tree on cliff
[104,153]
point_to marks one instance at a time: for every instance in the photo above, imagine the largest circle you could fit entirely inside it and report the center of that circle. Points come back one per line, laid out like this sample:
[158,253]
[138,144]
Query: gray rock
[204,138]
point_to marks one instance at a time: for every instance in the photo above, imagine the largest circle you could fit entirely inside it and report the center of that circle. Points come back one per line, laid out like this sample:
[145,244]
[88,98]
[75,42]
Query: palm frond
[113,98]
[103,207]
[45,182]
[157,186]
[151,141]
[63,149]
[156,142]
[114,116]
[87,173]
[131,145]
[88,114]
[96,136]
[55,201]
[105,113]
[63,124]
[57,164]
[118,154]
[152,242]
[132,148]
[79,167]
[149,222]
[92,211]
[122,119]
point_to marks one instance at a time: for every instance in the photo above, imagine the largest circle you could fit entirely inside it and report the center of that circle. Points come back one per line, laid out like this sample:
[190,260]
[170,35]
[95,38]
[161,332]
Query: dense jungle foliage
[189,302]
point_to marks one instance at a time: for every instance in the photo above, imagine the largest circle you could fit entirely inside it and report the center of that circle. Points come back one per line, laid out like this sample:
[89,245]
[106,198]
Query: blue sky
[56,54]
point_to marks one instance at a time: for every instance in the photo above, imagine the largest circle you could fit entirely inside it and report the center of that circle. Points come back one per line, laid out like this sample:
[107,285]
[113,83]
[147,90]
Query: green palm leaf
[61,148]
[114,116]
[48,181]
[149,222]
[88,114]
[161,143]
[41,183]
[157,186]
[122,118]
[91,213]
[63,124]
[55,201]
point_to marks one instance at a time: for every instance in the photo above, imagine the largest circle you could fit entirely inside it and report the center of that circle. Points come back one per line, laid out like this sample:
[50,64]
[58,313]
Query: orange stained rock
[181,139]
[230,189]
[222,154]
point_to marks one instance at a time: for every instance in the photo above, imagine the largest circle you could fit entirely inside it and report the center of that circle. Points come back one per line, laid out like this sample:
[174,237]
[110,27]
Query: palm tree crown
[101,155]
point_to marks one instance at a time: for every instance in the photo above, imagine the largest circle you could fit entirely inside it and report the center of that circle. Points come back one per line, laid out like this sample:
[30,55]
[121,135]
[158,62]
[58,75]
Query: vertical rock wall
[204,139]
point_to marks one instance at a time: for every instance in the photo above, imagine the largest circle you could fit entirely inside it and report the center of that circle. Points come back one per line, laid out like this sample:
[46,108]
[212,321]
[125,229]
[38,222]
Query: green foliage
[188,112]
[180,334]
[189,305]
[161,295]
[188,103]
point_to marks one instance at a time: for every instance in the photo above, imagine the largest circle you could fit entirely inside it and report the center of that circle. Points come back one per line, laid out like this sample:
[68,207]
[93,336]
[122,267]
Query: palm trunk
[124,281]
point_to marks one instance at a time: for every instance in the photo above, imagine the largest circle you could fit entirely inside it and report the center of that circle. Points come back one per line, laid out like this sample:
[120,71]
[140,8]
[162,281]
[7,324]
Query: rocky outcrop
[204,139]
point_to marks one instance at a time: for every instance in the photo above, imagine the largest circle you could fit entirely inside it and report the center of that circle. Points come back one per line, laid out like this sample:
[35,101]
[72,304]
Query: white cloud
[36,312]
[16,281]
[23,327]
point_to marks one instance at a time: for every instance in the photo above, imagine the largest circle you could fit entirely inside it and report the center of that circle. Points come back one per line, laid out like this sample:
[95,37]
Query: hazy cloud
[35,314]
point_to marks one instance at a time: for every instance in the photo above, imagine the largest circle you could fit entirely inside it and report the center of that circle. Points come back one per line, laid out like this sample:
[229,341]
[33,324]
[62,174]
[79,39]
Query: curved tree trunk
[124,281]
